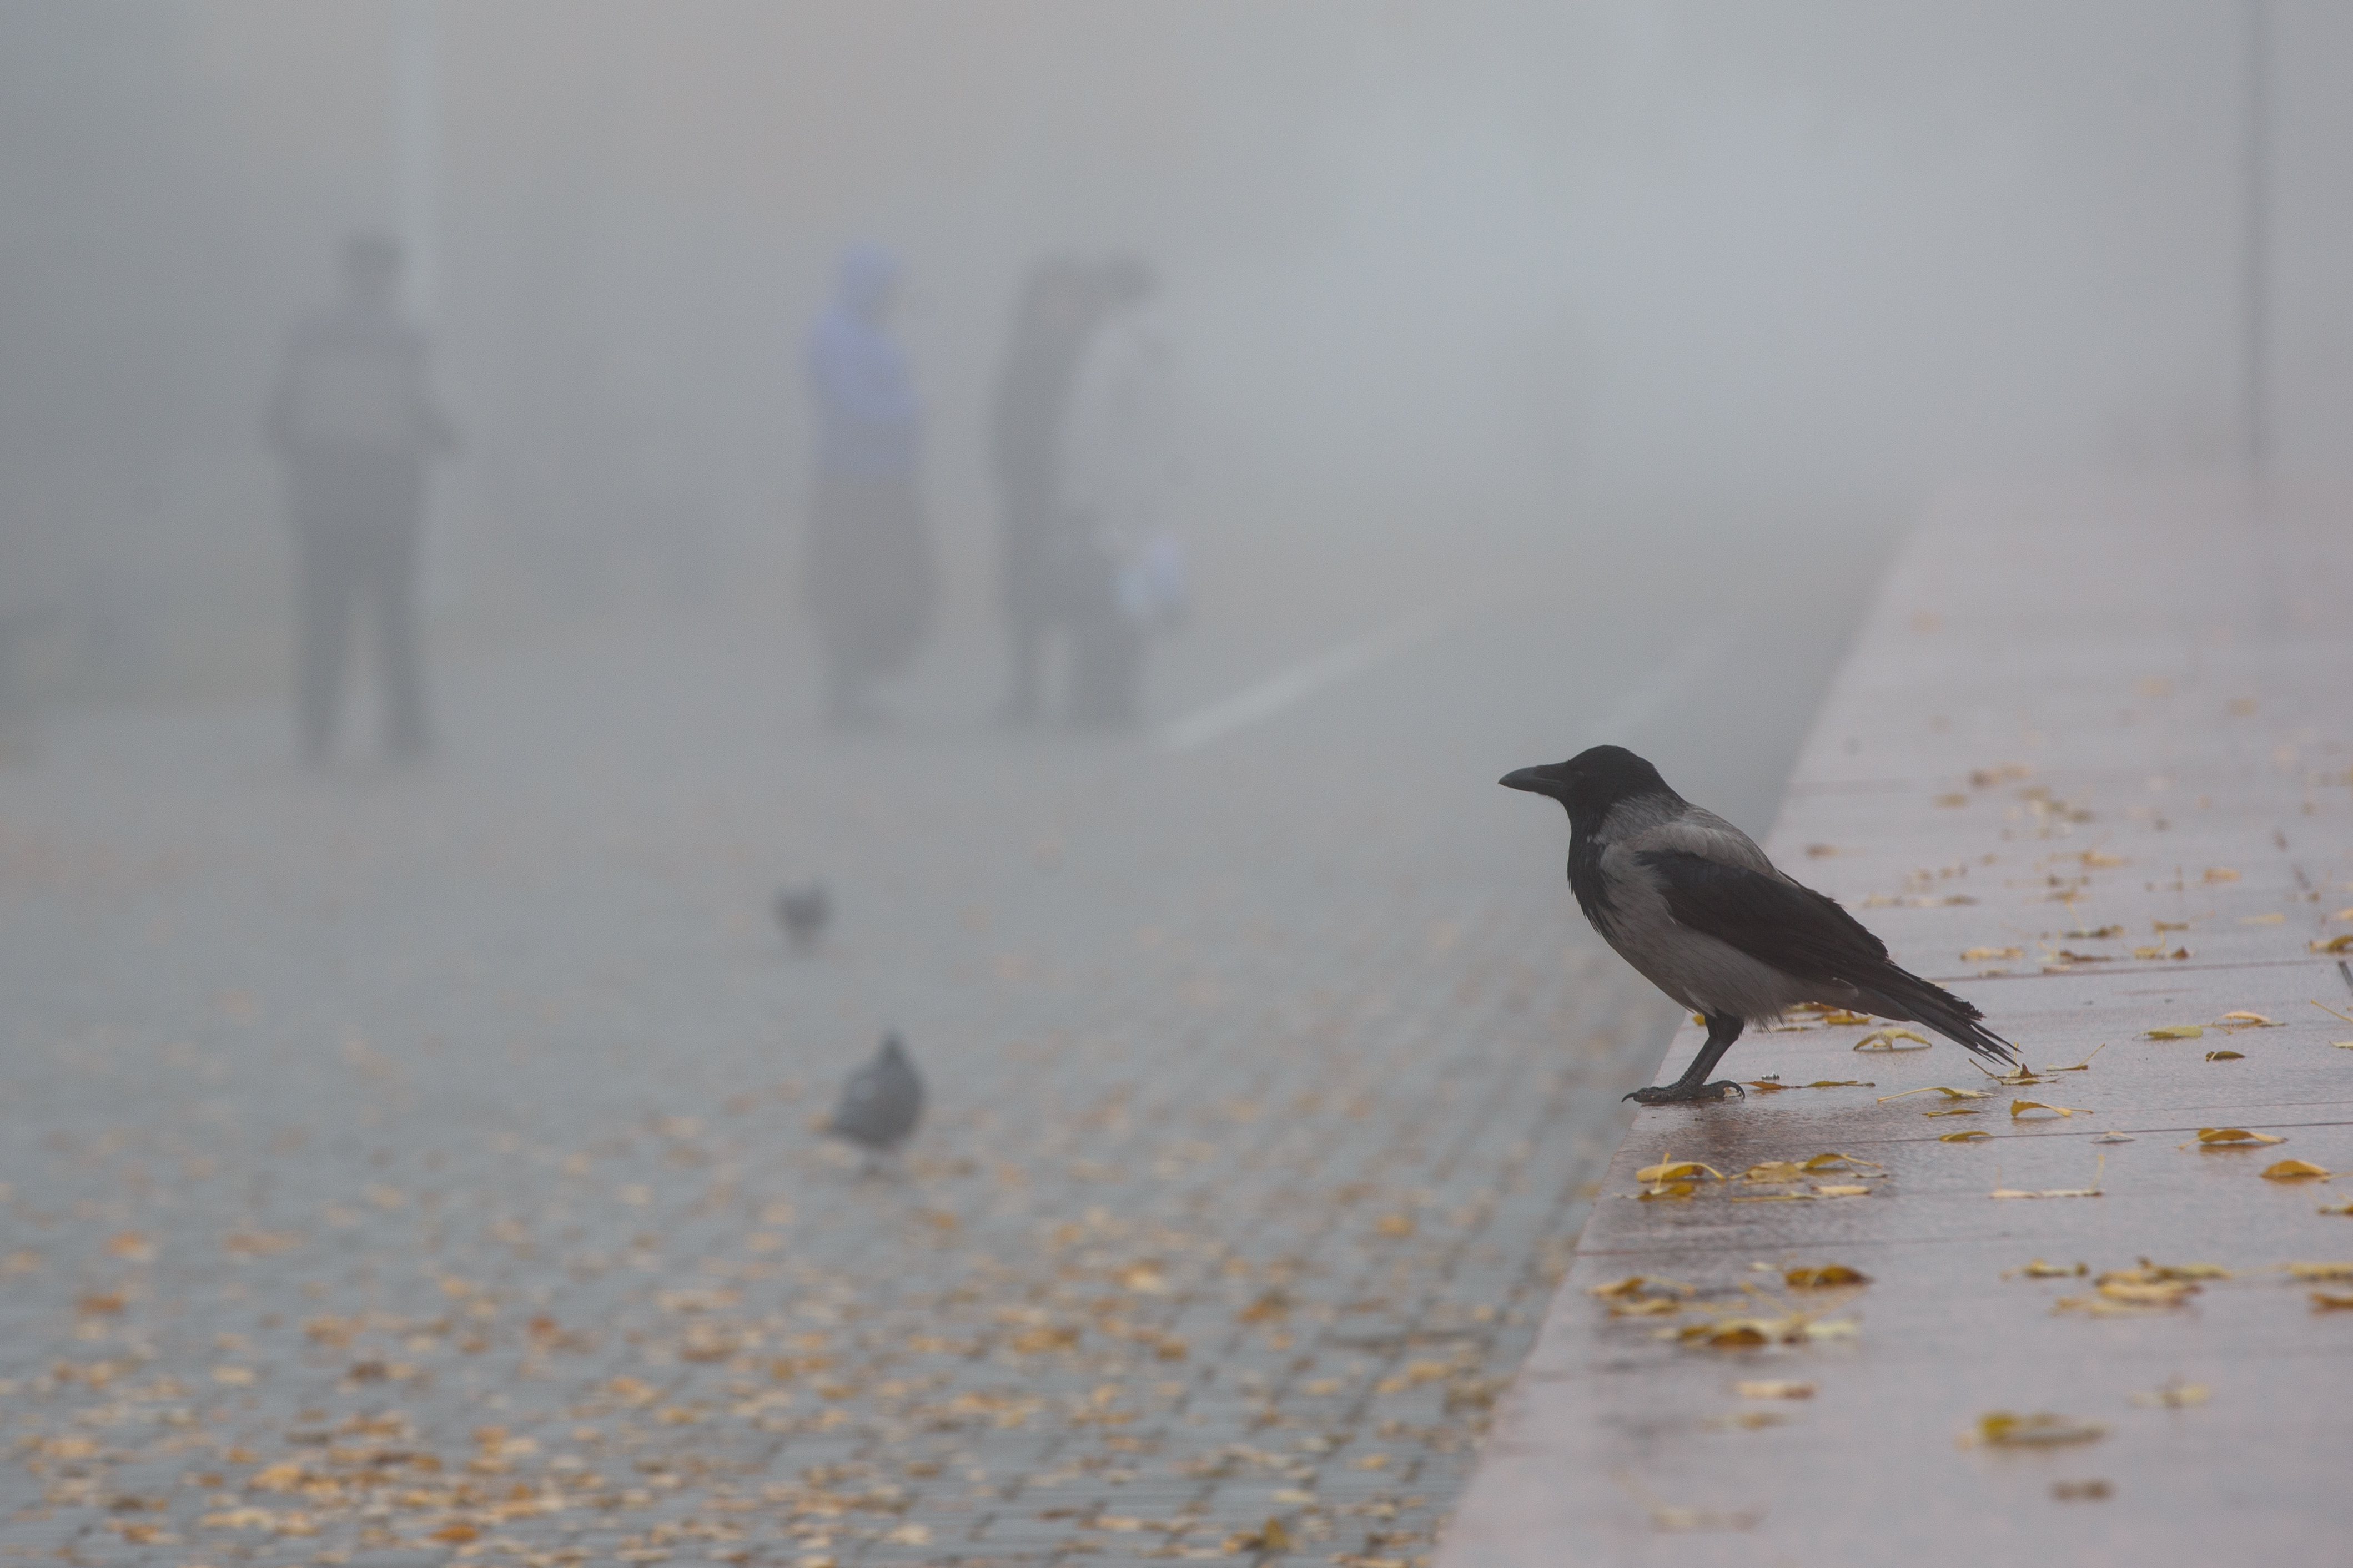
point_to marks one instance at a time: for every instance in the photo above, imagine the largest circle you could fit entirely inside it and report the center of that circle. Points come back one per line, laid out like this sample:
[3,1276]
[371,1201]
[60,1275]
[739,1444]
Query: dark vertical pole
[2254,282]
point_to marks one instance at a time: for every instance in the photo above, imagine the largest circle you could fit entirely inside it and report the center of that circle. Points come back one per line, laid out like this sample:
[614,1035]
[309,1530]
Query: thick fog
[749,750]
[1449,280]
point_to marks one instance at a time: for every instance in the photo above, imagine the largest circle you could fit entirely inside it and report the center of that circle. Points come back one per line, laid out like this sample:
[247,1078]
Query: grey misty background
[1457,285]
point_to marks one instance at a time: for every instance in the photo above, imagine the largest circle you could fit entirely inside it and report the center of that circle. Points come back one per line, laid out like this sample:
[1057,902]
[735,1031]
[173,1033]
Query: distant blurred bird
[1691,903]
[881,1103]
[803,911]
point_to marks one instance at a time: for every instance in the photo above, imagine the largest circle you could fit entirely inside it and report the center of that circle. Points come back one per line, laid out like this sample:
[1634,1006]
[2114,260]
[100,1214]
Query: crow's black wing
[1773,920]
[1806,935]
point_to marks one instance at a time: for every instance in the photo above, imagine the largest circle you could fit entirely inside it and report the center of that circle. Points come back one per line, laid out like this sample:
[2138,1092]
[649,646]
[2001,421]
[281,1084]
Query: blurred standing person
[1040,552]
[1118,468]
[869,567]
[354,418]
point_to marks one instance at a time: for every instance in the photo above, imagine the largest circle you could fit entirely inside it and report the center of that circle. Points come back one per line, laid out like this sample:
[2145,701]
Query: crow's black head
[1590,782]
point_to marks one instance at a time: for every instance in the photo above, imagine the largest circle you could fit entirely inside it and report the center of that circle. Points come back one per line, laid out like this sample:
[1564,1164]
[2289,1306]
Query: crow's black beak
[1536,781]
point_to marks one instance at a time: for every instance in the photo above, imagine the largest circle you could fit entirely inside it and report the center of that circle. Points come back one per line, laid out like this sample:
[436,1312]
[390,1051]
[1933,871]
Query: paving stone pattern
[402,1168]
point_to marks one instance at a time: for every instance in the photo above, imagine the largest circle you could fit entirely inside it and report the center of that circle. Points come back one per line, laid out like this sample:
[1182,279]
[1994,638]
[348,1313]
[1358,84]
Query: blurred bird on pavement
[804,912]
[881,1104]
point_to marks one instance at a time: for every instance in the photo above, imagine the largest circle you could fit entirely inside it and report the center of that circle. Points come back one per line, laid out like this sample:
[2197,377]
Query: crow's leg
[1723,1028]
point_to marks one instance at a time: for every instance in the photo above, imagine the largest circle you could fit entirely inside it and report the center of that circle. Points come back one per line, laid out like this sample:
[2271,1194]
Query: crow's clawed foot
[1676,1093]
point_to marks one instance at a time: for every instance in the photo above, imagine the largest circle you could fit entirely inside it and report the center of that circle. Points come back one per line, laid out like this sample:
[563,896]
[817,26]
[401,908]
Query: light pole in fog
[2255,259]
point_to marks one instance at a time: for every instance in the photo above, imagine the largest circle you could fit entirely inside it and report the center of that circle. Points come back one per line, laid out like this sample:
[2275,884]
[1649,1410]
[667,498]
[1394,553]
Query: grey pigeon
[1694,905]
[881,1103]
[803,911]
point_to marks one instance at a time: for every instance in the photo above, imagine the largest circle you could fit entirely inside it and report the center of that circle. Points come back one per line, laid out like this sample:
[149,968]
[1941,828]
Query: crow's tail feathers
[1894,993]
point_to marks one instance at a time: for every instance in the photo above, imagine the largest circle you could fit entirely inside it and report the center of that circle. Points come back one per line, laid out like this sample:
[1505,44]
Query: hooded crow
[1693,904]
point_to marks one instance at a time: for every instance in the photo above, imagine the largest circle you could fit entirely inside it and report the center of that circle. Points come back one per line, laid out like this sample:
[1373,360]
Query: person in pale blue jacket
[869,578]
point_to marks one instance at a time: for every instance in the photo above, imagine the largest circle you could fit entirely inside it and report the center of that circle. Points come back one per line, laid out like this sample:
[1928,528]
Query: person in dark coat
[354,420]
[868,581]
[1041,548]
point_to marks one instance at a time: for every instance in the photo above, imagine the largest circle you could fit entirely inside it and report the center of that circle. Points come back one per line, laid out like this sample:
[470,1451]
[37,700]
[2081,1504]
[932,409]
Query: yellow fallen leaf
[2232,1138]
[1842,1015]
[2331,1300]
[2221,874]
[1746,1421]
[1823,1277]
[2336,1208]
[2246,1020]
[2150,1293]
[1773,1388]
[1636,1284]
[2148,1270]
[2083,1066]
[1740,1334]
[1774,1171]
[2038,1269]
[2174,1396]
[1980,955]
[2334,944]
[1670,1189]
[2226,1056]
[1884,1040]
[1837,1083]
[2003,1429]
[2101,1307]
[1673,1170]
[1841,1192]
[2296,1170]
[2321,1270]
[1956,1110]
[2019,1108]
[1938,1089]
[1646,1307]
[1971,1135]
[2176,1032]
[1836,1162]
